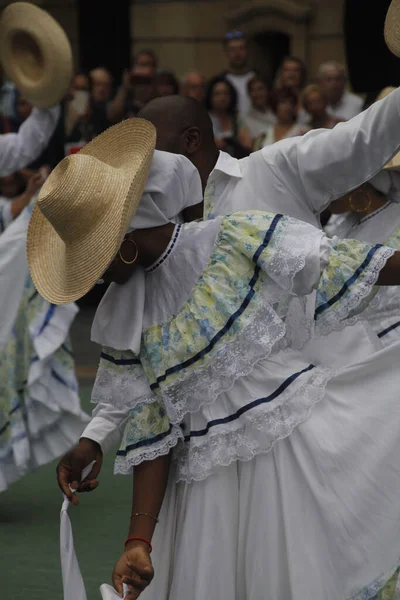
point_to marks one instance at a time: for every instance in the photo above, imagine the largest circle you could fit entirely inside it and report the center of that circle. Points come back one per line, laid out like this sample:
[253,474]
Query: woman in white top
[284,104]
[260,115]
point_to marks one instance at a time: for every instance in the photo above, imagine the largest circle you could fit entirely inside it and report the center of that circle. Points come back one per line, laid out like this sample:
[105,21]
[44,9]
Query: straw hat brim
[392,28]
[64,274]
[35,54]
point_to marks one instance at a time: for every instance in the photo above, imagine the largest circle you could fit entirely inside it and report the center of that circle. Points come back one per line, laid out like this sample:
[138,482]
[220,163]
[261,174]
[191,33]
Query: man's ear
[192,139]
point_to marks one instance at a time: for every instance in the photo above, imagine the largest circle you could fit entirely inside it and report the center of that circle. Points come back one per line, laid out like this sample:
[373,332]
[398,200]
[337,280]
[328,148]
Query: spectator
[315,105]
[136,90]
[7,98]
[292,75]
[284,105]
[238,73]
[146,59]
[194,86]
[101,85]
[341,103]
[221,103]
[15,195]
[260,116]
[166,84]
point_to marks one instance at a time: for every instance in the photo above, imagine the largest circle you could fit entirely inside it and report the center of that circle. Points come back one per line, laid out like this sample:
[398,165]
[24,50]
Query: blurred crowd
[248,111]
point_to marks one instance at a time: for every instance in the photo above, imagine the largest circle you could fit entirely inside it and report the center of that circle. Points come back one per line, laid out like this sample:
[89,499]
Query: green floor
[29,532]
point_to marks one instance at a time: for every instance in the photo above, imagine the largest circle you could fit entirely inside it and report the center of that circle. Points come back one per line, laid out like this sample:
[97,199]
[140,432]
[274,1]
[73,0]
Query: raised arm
[324,165]
[17,150]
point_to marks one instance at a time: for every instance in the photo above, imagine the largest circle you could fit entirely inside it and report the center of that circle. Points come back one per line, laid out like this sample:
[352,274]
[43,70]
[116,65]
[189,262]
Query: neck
[205,164]
[152,242]
[239,70]
[321,122]
[286,124]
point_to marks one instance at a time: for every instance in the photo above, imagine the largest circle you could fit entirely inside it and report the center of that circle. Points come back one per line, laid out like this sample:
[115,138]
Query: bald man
[194,86]
[299,177]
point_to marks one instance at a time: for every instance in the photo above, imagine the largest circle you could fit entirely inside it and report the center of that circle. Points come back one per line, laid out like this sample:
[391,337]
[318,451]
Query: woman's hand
[134,568]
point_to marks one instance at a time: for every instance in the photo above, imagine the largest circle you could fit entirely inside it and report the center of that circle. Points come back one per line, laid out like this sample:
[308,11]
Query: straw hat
[392,27]
[35,53]
[84,209]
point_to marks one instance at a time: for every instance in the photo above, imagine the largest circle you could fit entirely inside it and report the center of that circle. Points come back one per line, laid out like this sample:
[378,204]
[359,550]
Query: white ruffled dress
[285,475]
[40,413]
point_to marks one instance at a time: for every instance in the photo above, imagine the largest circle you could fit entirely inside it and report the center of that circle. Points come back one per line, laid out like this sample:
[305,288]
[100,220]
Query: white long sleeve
[106,426]
[17,150]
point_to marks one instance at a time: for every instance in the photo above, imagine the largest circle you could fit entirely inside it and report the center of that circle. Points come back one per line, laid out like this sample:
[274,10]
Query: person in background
[193,85]
[7,97]
[292,75]
[315,105]
[238,73]
[284,105]
[136,90]
[230,134]
[342,104]
[146,59]
[16,192]
[166,84]
[260,115]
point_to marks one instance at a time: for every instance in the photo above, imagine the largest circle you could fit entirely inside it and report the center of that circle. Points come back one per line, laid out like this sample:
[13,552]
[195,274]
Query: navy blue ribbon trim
[35,293]
[49,314]
[61,380]
[67,350]
[120,361]
[389,329]
[247,407]
[8,423]
[348,283]
[142,443]
[191,361]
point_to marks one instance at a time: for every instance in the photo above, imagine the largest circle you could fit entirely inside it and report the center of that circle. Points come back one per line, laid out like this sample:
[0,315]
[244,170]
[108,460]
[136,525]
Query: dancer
[36,55]
[267,450]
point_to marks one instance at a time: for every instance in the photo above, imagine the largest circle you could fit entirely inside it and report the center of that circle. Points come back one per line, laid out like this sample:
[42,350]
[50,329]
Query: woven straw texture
[392,27]
[35,53]
[84,210]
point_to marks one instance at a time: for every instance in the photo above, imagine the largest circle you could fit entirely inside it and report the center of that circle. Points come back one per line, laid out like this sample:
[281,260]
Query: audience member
[7,98]
[315,105]
[221,103]
[284,105]
[342,104]
[166,84]
[147,60]
[238,73]
[260,116]
[16,192]
[292,75]
[193,85]
[101,85]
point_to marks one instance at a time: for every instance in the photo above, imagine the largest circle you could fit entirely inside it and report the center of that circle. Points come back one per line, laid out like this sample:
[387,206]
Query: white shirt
[349,106]
[299,177]
[240,82]
[17,150]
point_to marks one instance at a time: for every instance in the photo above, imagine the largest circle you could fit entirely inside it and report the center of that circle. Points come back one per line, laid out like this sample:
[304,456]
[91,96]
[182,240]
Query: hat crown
[78,193]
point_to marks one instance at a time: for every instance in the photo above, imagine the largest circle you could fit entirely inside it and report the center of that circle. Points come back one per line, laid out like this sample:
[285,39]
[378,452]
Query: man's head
[332,79]
[80,82]
[236,51]
[194,86]
[147,59]
[183,127]
[101,85]
[292,73]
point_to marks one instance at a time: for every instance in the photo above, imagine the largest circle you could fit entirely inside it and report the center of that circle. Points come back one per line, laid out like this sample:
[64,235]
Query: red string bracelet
[139,539]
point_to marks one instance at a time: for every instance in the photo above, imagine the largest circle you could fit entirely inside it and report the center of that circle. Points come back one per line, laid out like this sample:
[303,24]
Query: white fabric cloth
[17,150]
[349,106]
[240,82]
[267,137]
[173,185]
[241,533]
[5,213]
[299,177]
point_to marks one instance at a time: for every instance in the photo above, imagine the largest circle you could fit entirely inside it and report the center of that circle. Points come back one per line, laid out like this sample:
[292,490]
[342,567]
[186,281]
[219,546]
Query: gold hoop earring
[129,262]
[358,210]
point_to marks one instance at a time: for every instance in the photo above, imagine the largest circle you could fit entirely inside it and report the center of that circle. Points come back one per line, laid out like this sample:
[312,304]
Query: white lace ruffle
[341,314]
[245,438]
[123,465]
[121,386]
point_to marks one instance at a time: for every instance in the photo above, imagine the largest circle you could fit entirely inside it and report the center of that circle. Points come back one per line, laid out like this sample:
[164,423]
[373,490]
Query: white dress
[40,413]
[285,475]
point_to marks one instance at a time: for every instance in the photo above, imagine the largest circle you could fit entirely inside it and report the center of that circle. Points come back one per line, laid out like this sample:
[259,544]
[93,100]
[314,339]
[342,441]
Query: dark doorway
[104,35]
[267,50]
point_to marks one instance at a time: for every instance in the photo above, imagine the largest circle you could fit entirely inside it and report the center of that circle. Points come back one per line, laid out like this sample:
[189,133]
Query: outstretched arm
[17,150]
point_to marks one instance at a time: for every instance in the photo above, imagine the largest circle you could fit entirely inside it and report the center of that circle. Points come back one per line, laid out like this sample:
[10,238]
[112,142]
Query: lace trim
[373,588]
[121,386]
[335,319]
[258,435]
[123,465]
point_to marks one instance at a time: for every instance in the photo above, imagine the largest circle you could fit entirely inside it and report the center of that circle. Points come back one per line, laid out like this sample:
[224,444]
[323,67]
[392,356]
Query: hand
[35,182]
[134,568]
[127,80]
[70,467]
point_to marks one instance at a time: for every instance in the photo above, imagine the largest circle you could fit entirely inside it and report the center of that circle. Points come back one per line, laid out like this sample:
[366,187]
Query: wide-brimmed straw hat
[35,53]
[392,27]
[84,209]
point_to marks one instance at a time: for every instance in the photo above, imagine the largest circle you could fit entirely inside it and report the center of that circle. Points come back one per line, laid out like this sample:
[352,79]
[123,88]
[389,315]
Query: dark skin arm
[134,567]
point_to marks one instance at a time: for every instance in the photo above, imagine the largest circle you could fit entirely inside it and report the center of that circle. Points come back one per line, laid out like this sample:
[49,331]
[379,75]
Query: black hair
[232,108]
